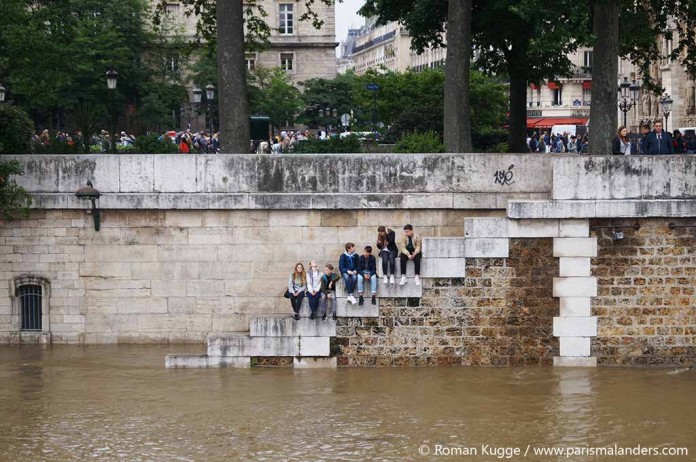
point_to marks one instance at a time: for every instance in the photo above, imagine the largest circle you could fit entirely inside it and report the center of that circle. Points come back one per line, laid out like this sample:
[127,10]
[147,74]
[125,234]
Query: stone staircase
[308,341]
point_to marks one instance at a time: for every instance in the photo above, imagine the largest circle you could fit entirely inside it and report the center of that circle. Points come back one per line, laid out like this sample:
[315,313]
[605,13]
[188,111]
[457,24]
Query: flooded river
[120,403]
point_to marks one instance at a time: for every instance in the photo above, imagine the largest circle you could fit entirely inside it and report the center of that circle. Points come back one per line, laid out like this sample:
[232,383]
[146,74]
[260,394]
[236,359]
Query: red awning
[587,84]
[548,122]
[553,86]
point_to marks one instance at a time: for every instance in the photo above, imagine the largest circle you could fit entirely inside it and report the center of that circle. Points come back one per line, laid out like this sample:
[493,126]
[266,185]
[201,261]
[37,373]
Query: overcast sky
[347,17]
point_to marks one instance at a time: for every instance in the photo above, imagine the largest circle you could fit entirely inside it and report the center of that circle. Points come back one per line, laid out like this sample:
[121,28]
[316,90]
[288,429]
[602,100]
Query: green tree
[14,199]
[273,94]
[230,43]
[525,40]
[16,130]
[54,55]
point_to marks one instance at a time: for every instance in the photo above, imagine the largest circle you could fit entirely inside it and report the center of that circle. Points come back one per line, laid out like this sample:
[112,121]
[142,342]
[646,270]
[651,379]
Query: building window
[587,61]
[30,301]
[557,97]
[287,19]
[287,62]
[586,96]
[250,61]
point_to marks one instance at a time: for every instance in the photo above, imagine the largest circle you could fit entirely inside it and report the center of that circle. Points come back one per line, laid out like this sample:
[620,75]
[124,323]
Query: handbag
[287,293]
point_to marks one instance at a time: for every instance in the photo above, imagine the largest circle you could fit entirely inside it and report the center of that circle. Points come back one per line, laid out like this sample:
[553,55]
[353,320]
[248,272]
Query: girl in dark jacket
[388,250]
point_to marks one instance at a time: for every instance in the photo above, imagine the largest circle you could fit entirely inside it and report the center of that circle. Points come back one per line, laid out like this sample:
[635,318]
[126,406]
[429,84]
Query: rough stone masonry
[192,246]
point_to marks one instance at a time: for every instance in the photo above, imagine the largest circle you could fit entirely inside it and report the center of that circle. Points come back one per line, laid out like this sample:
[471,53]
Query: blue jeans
[373,283]
[350,280]
[313,301]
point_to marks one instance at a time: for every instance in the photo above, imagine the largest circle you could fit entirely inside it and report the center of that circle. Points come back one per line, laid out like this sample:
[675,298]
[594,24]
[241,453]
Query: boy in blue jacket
[348,266]
[367,270]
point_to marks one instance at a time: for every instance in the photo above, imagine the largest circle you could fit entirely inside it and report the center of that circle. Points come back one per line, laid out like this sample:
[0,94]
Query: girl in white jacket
[313,288]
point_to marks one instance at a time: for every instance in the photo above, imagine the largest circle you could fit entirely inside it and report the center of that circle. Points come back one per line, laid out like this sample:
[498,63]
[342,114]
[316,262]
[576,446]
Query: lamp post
[666,103]
[197,97]
[92,194]
[209,96]
[326,115]
[2,93]
[628,92]
[111,81]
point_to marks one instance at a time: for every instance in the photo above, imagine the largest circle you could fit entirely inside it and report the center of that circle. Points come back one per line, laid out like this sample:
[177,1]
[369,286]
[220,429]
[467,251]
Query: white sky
[347,17]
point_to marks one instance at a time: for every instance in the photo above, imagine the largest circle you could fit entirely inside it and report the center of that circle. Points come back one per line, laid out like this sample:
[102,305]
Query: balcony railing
[581,72]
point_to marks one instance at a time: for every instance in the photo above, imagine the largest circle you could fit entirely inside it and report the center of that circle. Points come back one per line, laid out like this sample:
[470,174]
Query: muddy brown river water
[120,403]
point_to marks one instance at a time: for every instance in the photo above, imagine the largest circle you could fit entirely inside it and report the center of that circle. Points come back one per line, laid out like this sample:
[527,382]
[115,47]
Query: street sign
[372,86]
[345,120]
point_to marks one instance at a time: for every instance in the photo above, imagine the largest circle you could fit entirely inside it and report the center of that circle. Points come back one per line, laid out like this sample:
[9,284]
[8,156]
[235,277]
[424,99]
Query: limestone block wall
[500,314]
[646,301]
[179,275]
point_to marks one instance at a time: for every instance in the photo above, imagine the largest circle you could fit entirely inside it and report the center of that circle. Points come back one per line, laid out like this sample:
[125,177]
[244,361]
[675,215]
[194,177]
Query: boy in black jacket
[367,270]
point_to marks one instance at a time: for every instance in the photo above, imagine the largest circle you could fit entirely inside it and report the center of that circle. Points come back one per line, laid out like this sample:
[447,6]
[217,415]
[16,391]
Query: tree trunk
[232,87]
[605,73]
[457,123]
[517,131]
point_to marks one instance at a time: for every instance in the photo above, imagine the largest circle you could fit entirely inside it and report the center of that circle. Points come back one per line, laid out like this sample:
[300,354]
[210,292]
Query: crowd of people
[201,142]
[651,140]
[557,143]
[354,270]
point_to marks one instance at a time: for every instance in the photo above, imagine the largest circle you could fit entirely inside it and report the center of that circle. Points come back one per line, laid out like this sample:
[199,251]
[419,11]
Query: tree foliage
[406,101]
[54,56]
[14,200]
[272,93]
[16,129]
[525,40]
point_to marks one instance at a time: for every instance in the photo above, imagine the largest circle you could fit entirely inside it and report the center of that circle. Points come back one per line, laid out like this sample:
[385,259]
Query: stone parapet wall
[348,181]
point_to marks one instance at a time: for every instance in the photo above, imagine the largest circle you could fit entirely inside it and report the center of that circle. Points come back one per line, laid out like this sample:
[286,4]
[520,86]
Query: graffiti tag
[504,177]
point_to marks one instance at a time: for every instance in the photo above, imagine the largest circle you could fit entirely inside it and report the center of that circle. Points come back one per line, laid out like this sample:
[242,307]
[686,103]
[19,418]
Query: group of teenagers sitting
[354,269]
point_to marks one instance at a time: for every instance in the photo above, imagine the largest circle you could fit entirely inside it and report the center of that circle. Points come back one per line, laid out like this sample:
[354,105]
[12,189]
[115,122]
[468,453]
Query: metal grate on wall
[30,303]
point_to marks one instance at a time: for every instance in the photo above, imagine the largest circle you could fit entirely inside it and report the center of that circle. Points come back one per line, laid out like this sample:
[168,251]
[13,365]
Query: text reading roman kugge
[513,452]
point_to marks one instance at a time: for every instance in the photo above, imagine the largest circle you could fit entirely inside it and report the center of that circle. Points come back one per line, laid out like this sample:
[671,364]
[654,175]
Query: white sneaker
[385,280]
[391,279]
[403,281]
[417,280]
[351,299]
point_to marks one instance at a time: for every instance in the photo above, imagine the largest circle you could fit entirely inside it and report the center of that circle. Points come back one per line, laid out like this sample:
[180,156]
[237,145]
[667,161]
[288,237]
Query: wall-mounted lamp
[92,194]
[617,233]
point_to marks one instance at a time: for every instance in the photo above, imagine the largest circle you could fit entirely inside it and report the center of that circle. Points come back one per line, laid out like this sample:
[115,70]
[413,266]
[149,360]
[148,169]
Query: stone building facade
[387,47]
[304,51]
[521,267]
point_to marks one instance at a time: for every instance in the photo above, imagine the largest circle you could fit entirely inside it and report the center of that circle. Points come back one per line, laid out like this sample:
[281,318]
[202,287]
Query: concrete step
[344,309]
[286,326]
[174,361]
[315,363]
[408,290]
[245,345]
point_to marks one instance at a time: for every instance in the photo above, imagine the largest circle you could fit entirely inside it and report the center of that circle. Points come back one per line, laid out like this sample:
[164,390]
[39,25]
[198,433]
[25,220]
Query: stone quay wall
[179,275]
[198,245]
[646,296]
[500,313]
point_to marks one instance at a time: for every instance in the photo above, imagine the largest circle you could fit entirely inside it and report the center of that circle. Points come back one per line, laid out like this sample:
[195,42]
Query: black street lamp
[91,194]
[2,93]
[111,81]
[666,103]
[210,96]
[628,93]
[326,115]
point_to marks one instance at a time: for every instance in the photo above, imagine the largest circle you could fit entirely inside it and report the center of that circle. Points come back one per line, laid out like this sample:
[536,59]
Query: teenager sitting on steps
[410,249]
